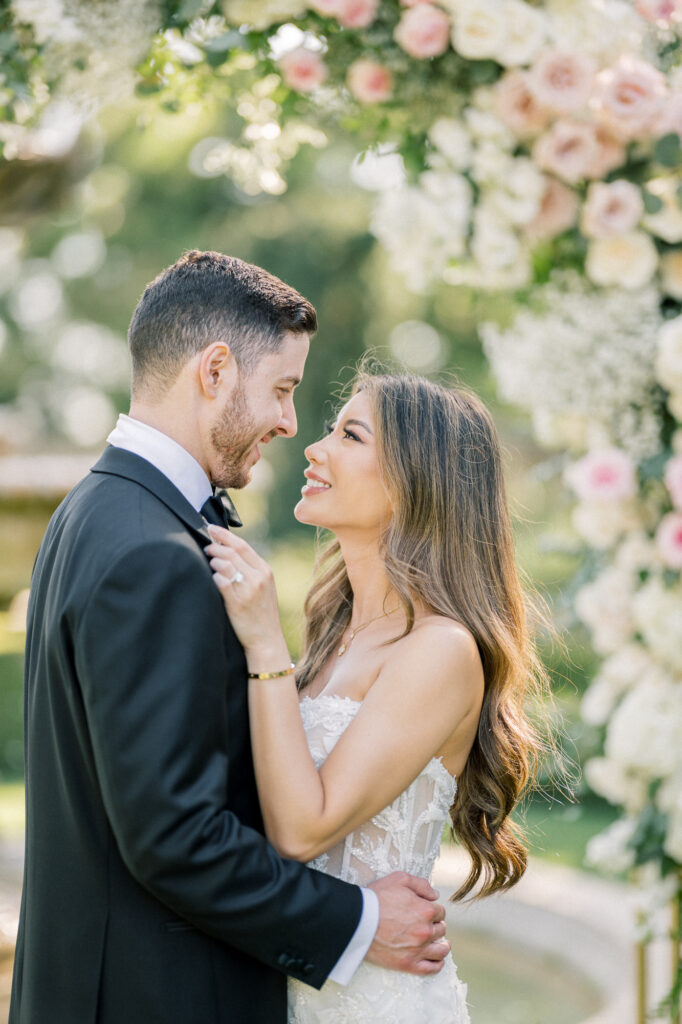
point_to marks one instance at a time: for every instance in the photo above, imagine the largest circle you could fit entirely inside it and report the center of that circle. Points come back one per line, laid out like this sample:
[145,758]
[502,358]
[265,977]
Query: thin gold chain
[354,632]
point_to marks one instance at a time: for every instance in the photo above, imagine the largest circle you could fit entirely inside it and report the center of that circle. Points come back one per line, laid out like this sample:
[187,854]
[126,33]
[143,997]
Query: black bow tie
[220,511]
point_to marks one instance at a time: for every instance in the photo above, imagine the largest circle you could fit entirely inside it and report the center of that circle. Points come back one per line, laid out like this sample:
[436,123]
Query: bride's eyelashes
[330,427]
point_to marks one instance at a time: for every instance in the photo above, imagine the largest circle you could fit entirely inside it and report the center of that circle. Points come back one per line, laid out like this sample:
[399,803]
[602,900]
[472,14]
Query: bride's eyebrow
[360,423]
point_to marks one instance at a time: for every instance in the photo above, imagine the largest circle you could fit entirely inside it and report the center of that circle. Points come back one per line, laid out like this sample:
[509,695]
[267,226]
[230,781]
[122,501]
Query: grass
[12,816]
[11,688]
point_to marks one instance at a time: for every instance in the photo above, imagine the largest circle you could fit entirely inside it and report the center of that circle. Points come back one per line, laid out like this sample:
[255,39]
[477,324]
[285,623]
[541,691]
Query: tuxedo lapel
[119,462]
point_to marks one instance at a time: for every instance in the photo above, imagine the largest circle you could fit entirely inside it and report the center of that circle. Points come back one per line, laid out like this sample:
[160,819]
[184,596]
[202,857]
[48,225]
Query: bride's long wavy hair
[449,546]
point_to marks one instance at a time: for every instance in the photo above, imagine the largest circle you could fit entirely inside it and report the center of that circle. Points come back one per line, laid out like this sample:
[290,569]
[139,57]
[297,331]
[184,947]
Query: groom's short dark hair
[206,297]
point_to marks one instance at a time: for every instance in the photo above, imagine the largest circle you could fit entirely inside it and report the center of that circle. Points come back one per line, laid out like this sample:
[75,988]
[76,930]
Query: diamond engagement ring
[237,578]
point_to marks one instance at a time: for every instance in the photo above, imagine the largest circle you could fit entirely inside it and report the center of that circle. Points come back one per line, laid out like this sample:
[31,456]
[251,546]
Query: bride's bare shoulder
[440,628]
[446,641]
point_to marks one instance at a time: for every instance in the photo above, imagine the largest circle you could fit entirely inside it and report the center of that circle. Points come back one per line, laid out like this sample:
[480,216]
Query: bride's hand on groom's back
[411,932]
[247,586]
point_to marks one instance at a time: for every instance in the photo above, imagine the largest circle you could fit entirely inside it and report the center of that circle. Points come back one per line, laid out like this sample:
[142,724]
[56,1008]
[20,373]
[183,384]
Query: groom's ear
[216,368]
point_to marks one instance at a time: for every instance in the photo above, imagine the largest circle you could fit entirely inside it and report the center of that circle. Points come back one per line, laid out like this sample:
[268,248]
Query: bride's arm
[427,687]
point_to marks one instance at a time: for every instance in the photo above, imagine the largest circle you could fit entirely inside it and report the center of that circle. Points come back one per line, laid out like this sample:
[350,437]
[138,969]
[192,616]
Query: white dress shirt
[183,470]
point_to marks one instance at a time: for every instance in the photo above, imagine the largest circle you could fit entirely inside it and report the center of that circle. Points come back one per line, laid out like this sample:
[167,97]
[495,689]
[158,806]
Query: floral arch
[531,147]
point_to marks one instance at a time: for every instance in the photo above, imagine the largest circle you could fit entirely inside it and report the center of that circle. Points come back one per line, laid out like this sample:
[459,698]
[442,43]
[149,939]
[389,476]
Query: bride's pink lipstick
[316,483]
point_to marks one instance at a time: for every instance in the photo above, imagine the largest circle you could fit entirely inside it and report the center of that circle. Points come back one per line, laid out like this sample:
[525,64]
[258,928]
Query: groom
[150,894]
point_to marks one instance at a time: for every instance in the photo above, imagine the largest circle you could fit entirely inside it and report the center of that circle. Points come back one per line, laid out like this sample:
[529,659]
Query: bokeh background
[102,192]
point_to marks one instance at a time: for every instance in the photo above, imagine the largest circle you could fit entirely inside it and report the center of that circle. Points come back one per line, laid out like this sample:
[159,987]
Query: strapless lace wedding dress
[404,837]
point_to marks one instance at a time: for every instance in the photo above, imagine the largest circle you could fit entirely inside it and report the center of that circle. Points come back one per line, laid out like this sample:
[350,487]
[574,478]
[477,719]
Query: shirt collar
[169,457]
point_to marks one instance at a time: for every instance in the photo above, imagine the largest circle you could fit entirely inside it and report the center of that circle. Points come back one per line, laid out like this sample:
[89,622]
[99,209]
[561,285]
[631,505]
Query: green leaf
[652,204]
[668,150]
[232,40]
[188,9]
[7,42]
[678,193]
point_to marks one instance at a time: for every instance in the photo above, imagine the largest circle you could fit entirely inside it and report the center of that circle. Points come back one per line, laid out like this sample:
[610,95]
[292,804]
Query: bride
[408,703]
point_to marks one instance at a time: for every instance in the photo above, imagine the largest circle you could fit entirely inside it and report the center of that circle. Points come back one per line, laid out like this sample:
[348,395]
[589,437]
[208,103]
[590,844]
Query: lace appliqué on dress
[403,837]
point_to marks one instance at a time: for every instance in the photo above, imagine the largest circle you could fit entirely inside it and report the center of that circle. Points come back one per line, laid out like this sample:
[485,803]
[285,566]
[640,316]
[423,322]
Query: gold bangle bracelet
[273,675]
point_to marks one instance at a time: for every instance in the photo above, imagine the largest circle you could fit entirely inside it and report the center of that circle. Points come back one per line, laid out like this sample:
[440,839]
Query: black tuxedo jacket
[150,894]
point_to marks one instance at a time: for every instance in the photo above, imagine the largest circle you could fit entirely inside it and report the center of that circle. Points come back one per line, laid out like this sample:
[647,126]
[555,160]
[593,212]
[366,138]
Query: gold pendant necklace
[354,632]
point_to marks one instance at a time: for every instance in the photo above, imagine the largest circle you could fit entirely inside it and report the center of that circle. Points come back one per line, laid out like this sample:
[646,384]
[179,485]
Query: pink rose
[562,80]
[607,475]
[569,149]
[356,13]
[662,12]
[673,479]
[611,209]
[629,97]
[669,540]
[670,120]
[325,7]
[516,105]
[302,70]
[558,211]
[610,153]
[423,31]
[370,82]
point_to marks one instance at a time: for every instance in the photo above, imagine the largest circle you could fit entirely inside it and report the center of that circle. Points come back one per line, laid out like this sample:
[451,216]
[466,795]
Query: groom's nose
[288,424]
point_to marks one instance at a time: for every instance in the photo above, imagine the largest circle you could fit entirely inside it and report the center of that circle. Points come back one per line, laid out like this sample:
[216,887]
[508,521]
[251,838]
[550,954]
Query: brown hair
[206,297]
[450,546]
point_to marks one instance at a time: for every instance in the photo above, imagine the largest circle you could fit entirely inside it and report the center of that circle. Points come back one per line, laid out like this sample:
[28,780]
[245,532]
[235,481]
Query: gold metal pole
[676,947]
[640,956]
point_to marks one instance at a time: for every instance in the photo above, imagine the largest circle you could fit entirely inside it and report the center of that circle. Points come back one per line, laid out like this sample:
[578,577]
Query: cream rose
[628,260]
[526,33]
[611,208]
[629,97]
[479,29]
[569,149]
[557,213]
[451,138]
[517,107]
[562,80]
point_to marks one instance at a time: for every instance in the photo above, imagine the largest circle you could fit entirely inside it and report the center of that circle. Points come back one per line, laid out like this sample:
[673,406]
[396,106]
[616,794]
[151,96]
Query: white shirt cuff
[363,936]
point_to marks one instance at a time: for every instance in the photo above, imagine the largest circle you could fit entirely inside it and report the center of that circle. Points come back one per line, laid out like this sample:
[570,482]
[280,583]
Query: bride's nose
[313,452]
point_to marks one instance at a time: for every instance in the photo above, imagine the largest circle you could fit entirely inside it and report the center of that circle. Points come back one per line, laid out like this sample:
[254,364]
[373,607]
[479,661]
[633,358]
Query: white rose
[657,613]
[453,195]
[645,732]
[493,246]
[637,552]
[613,781]
[605,606]
[668,365]
[601,523]
[558,430]
[667,223]
[526,33]
[451,138]
[519,196]
[485,126]
[479,31]
[628,260]
[609,850]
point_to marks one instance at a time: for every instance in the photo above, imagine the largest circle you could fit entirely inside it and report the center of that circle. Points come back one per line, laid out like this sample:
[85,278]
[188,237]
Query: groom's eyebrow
[294,381]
